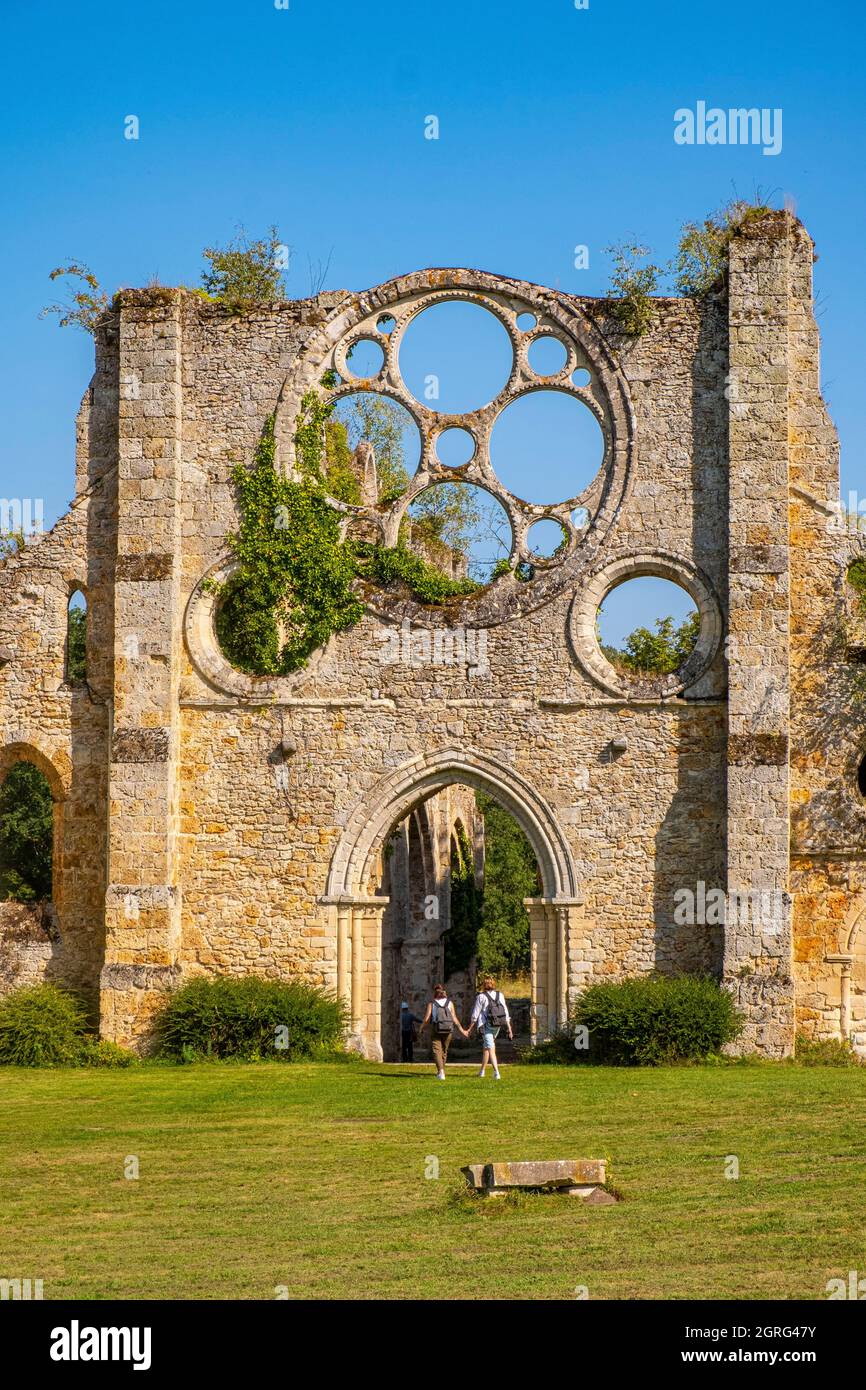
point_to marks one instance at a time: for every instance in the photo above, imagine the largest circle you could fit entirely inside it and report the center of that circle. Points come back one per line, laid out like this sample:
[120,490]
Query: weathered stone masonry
[210,821]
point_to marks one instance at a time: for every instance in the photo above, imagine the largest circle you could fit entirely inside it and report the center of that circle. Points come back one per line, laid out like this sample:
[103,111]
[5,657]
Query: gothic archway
[557,928]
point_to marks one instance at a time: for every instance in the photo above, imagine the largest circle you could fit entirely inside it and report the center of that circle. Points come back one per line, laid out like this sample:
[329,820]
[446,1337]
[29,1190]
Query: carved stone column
[359,968]
[845,963]
[557,954]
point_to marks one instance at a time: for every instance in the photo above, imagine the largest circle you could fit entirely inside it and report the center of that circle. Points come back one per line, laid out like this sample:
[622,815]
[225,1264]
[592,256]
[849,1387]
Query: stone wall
[215,821]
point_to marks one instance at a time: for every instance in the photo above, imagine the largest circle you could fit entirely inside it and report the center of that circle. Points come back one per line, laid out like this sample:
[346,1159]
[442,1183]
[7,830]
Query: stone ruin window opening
[861,777]
[459,528]
[647,626]
[385,441]
[546,447]
[474,388]
[27,833]
[455,357]
[76,638]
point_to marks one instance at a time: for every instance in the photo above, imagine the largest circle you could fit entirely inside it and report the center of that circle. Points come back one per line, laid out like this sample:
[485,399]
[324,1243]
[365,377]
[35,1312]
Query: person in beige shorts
[443,1020]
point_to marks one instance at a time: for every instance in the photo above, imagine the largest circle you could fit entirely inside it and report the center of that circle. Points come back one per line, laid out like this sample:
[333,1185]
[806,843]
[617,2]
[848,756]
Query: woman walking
[443,1020]
[489,1015]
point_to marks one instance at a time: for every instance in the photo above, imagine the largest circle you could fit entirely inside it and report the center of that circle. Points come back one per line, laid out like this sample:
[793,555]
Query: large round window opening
[547,447]
[477,433]
[455,357]
[647,628]
[861,777]
[458,531]
[372,446]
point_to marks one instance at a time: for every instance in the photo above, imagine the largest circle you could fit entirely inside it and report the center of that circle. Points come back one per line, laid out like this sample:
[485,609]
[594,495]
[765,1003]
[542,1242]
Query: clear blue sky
[556,128]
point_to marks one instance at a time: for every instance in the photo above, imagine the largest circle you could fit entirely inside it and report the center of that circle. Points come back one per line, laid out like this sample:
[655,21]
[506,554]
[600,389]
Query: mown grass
[312,1177]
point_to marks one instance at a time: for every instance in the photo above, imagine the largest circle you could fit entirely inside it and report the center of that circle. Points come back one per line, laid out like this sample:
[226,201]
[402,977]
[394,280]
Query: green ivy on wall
[294,586]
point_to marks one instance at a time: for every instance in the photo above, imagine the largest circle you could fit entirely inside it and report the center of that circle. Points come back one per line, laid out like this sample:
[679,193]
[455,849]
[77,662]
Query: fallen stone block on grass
[572,1177]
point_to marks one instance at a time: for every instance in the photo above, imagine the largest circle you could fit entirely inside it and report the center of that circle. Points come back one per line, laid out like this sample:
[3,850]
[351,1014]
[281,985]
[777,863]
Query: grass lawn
[313,1177]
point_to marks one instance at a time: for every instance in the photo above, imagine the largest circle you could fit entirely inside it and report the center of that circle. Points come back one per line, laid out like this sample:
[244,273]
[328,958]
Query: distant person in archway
[488,1016]
[443,1020]
[408,1022]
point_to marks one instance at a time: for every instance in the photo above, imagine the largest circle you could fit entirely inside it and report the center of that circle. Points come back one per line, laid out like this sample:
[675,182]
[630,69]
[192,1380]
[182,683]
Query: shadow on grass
[407,1076]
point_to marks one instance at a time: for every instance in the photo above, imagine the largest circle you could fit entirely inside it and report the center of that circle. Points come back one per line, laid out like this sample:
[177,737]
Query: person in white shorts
[488,1016]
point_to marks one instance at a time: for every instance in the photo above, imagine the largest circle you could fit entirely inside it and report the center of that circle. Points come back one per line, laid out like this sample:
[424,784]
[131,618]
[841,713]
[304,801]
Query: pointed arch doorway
[557,928]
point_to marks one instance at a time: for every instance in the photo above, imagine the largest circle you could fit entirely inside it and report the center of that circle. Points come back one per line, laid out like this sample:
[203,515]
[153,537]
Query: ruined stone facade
[207,820]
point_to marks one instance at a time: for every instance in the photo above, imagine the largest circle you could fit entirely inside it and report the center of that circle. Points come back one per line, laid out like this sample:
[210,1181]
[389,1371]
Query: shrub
[702,254]
[249,1018]
[655,1019]
[632,285]
[101,1052]
[826,1052]
[46,1026]
[556,1050]
[246,273]
[41,1027]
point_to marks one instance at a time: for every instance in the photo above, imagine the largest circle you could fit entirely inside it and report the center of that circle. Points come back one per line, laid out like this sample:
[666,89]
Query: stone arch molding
[606,395]
[391,799]
[55,764]
[854,926]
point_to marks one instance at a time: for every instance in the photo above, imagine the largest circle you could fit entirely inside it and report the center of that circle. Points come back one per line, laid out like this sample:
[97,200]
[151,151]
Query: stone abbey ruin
[210,820]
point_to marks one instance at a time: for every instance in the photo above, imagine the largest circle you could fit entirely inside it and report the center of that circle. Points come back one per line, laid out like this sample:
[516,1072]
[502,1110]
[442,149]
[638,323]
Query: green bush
[553,1051]
[45,1026]
[101,1052]
[655,1019]
[42,1027]
[826,1052]
[249,1018]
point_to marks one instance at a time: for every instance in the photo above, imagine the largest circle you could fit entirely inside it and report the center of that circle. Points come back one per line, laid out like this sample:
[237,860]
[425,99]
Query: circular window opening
[386,323]
[461,531]
[547,356]
[526,322]
[546,538]
[861,777]
[367,417]
[365,358]
[546,447]
[455,447]
[580,518]
[581,377]
[455,357]
[647,627]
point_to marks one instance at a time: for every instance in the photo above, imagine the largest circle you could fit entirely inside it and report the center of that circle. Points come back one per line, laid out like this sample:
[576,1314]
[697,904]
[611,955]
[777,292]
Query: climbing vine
[295,582]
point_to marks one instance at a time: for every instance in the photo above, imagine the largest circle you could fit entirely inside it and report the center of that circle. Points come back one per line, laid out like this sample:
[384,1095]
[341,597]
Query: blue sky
[556,129]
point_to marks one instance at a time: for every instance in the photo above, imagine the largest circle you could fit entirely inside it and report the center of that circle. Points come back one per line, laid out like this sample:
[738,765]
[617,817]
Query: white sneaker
[496,1076]
[481,1074]
[440,1076]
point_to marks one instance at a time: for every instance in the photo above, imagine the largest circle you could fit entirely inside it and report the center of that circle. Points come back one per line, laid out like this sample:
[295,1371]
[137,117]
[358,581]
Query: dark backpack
[497,1014]
[443,1023]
